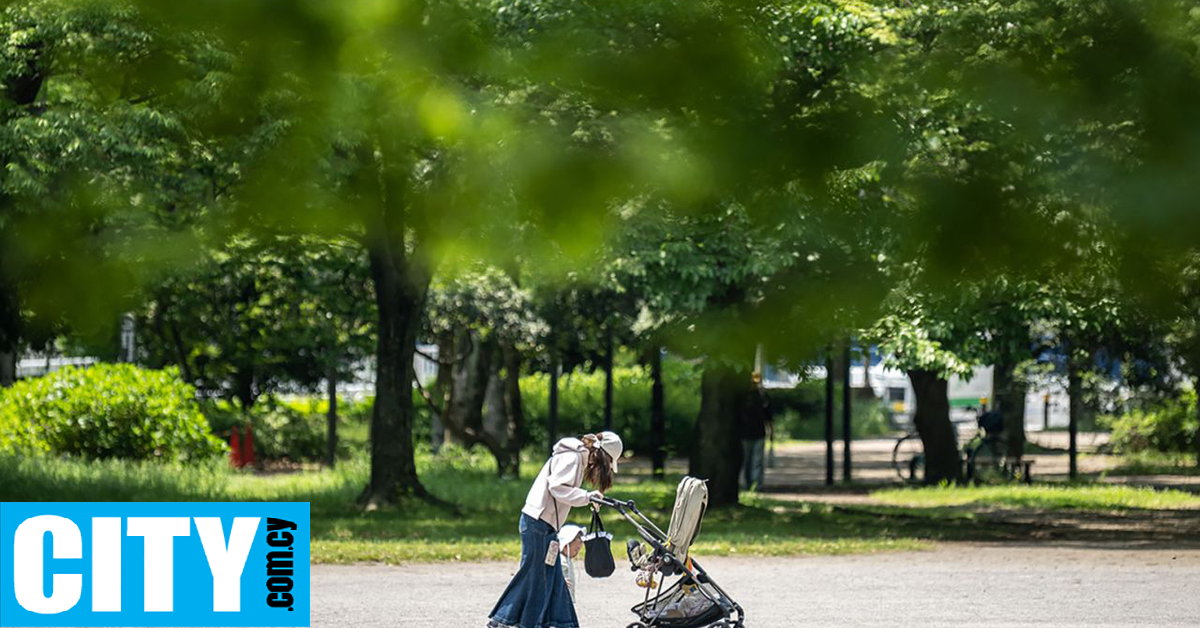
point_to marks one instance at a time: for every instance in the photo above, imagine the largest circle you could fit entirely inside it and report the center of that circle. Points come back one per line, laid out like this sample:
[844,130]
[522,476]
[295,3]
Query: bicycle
[987,460]
[908,458]
[986,453]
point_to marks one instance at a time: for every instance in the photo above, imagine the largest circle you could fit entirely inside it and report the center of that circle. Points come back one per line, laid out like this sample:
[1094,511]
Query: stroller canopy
[691,500]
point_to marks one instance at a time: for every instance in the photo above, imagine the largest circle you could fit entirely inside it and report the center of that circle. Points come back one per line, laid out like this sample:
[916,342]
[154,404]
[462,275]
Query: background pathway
[1045,585]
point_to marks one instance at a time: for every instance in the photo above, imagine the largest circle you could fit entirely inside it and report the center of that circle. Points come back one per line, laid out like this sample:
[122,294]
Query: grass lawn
[1155,463]
[483,526]
[1042,497]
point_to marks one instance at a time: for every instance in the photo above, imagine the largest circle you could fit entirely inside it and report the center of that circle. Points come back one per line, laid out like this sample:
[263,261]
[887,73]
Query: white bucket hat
[569,533]
[612,445]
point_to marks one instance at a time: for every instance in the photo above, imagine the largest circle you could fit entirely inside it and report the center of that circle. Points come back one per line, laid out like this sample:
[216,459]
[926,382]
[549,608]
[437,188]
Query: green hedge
[293,429]
[106,411]
[800,413]
[1169,428]
[581,405]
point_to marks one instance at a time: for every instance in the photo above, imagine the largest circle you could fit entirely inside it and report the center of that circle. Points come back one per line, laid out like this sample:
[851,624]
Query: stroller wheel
[636,624]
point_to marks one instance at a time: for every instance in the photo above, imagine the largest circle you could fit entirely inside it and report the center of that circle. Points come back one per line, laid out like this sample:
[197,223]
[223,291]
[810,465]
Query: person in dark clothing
[992,422]
[753,426]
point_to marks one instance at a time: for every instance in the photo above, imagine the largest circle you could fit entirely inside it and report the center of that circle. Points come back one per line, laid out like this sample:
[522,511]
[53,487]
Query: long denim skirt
[537,597]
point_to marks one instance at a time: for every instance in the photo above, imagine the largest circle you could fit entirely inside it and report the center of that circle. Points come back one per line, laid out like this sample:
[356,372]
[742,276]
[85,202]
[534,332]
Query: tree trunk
[1009,392]
[1075,401]
[21,88]
[608,381]
[181,354]
[865,392]
[717,451]
[477,413]
[495,419]
[443,389]
[331,418]
[1196,387]
[829,418]
[847,411]
[932,420]
[553,402]
[469,375]
[400,291]
[8,368]
[514,408]
[658,415]
[504,415]
[243,388]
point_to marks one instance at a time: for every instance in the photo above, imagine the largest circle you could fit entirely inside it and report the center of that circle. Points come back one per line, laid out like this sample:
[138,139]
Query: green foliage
[96,162]
[288,430]
[581,405]
[1171,427]
[487,301]
[106,411]
[748,172]
[257,313]
[800,413]
[68,479]
[349,410]
[283,433]
[1155,463]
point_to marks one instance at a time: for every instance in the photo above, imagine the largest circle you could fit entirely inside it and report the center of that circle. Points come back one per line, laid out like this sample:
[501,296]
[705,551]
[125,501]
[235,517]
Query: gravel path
[954,585]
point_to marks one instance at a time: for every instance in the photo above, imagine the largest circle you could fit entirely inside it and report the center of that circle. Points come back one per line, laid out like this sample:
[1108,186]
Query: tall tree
[494,324]
[97,163]
[258,313]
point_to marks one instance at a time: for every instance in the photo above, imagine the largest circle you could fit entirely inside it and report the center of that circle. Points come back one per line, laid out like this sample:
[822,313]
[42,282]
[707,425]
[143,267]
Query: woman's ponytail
[598,472]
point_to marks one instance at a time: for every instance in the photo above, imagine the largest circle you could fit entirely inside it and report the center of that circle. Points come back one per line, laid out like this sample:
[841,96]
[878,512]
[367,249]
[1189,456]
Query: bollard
[248,449]
[235,449]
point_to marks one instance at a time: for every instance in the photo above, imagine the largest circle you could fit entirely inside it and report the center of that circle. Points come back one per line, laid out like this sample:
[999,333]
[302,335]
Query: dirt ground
[803,464]
[1047,585]
[799,467]
[1059,569]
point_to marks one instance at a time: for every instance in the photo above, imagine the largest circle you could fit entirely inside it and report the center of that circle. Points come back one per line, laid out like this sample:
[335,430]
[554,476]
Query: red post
[235,449]
[248,449]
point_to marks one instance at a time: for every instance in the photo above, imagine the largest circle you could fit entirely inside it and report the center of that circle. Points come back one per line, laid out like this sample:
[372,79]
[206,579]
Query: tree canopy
[949,179]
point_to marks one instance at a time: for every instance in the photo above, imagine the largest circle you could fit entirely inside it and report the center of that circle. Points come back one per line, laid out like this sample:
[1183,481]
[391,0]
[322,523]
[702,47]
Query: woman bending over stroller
[538,597]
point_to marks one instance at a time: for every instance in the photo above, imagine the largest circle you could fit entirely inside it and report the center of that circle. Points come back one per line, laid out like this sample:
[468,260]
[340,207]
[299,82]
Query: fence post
[829,418]
[846,430]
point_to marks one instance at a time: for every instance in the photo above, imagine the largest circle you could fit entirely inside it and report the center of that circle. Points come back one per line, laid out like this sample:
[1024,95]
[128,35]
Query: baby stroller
[694,600]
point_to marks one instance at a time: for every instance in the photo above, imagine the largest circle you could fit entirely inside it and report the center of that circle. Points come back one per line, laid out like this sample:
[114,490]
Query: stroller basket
[685,606]
[695,600]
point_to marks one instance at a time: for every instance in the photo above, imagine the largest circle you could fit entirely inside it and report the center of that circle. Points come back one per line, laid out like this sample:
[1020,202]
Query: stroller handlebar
[612,503]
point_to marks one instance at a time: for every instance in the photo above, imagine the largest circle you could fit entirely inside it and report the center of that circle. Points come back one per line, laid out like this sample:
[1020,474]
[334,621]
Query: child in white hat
[570,539]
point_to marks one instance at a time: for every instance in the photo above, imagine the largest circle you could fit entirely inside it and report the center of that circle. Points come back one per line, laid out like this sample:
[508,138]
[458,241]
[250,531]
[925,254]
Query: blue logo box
[154,564]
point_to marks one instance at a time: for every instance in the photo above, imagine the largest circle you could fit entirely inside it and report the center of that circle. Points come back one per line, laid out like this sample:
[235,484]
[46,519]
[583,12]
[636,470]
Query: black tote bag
[598,559]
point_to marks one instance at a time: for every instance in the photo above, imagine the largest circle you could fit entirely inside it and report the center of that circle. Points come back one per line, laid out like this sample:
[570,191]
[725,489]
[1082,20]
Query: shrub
[295,428]
[349,410]
[800,413]
[106,411]
[1170,427]
[282,431]
[581,405]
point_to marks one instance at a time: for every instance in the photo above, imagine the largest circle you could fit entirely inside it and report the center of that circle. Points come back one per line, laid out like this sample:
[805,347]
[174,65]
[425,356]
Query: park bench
[1022,468]
[1026,467]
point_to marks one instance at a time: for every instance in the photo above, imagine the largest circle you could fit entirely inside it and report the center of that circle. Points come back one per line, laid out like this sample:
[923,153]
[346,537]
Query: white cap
[612,445]
[569,533]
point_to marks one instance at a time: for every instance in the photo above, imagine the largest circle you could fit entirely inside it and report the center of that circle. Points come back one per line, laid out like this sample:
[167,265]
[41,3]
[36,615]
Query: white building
[1046,403]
